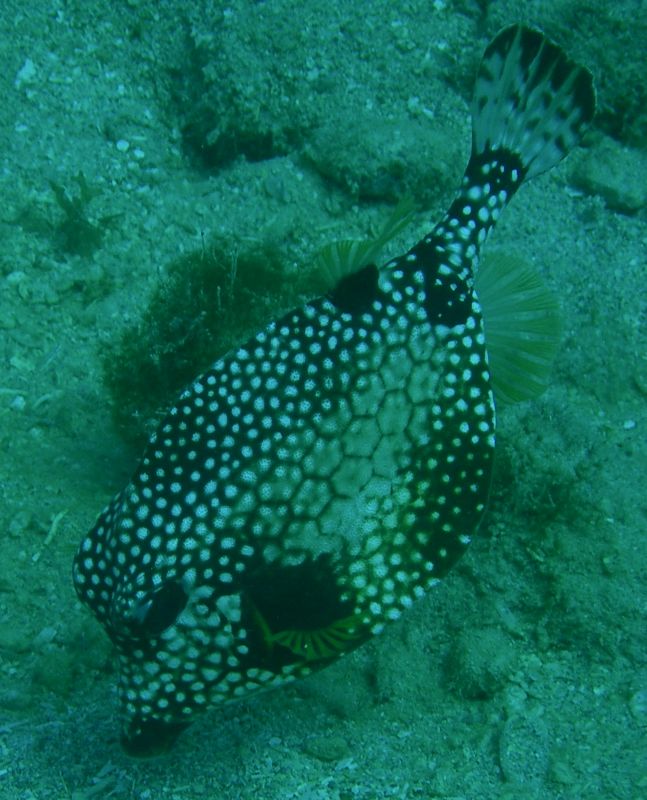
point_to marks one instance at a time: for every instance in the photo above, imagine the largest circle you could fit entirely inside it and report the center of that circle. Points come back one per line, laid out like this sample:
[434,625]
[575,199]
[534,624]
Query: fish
[314,482]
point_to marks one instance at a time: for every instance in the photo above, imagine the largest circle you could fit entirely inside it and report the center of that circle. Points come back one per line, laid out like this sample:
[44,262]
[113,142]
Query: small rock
[616,174]
[26,74]
[385,161]
[638,706]
[327,748]
[46,636]
[21,523]
[18,403]
[481,662]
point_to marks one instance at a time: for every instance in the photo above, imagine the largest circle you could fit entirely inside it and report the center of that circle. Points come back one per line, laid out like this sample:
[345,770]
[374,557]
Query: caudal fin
[530,99]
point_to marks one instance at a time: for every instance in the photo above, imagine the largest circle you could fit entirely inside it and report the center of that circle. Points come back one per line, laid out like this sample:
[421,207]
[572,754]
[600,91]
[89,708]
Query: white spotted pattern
[313,483]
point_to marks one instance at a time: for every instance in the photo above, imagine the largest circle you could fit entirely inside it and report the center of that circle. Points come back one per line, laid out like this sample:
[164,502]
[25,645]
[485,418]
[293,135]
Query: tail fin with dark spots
[530,99]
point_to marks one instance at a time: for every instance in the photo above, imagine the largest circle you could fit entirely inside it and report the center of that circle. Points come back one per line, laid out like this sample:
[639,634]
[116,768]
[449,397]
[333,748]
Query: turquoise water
[288,125]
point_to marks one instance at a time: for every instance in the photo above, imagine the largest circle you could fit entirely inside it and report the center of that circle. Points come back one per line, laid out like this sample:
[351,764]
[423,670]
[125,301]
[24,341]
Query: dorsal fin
[339,259]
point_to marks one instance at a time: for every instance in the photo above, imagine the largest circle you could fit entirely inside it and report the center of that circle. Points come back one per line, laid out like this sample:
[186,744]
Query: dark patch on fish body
[356,292]
[161,609]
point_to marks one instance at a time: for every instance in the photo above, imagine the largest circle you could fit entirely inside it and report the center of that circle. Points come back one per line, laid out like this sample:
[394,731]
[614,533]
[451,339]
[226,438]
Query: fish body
[314,482]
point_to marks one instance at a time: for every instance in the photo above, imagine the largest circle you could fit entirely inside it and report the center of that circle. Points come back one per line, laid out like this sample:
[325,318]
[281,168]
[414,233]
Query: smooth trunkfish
[314,482]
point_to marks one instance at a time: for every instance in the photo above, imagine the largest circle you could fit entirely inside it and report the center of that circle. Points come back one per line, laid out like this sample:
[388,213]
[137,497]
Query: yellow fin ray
[321,644]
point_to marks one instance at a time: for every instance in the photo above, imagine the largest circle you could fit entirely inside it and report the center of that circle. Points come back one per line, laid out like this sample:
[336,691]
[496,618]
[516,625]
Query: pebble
[327,748]
[638,706]
[46,636]
[481,662]
[615,173]
[21,523]
[26,74]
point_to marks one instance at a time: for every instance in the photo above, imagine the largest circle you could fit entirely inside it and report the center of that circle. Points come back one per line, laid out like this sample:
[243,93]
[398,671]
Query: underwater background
[169,172]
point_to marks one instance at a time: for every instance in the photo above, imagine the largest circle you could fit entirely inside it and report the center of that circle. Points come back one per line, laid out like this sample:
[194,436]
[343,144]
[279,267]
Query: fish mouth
[150,738]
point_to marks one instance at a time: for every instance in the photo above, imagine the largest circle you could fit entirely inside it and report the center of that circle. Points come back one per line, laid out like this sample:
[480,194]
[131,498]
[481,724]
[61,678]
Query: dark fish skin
[311,484]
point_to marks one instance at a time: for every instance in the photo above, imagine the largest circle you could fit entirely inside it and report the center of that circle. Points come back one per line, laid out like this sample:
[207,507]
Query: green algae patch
[208,301]
[78,232]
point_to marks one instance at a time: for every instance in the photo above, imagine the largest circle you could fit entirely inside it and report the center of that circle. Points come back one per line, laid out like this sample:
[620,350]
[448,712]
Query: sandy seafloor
[524,675]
